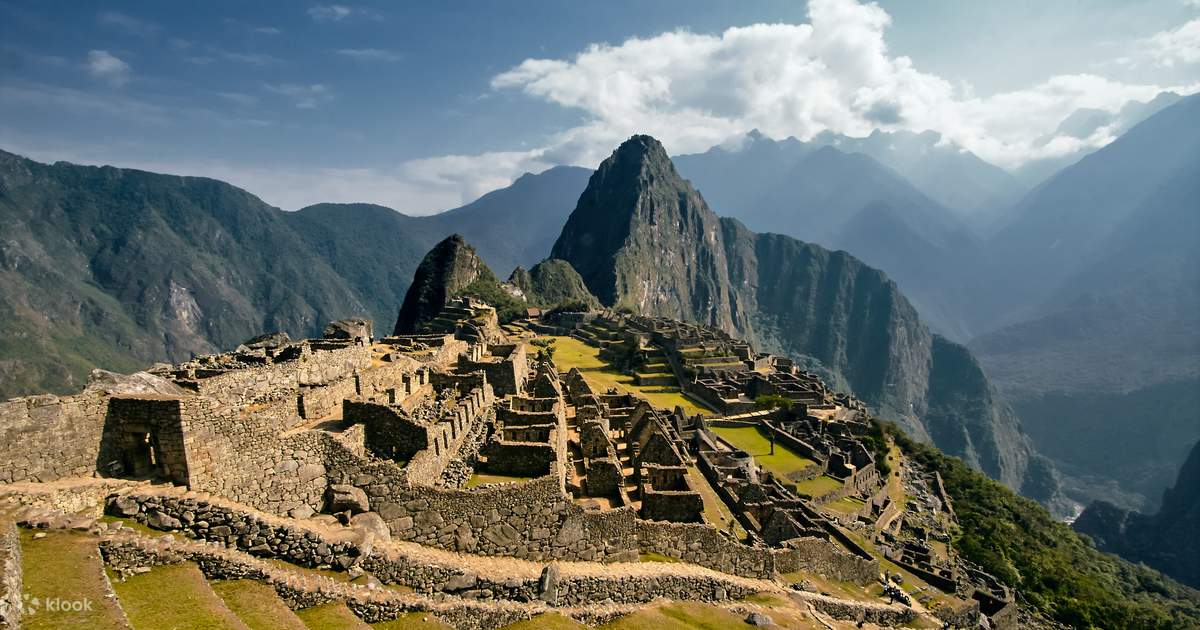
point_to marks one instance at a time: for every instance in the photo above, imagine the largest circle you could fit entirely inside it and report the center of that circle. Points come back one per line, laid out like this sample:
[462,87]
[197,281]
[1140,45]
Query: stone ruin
[454,439]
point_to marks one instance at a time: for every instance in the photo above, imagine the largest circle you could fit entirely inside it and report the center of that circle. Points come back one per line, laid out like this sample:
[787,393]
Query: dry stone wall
[44,438]
[11,584]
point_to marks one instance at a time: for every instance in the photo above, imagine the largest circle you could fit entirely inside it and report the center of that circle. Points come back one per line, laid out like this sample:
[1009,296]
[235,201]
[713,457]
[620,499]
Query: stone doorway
[141,455]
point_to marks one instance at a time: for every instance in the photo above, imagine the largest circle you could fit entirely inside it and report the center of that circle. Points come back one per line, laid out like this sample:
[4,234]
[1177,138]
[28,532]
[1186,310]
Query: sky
[425,106]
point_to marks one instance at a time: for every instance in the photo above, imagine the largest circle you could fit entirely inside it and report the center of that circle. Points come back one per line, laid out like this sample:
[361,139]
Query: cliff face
[448,269]
[1166,541]
[637,214]
[642,237]
[552,282]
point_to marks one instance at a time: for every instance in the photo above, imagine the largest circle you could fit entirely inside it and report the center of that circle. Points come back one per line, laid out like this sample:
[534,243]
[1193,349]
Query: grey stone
[759,619]
[341,498]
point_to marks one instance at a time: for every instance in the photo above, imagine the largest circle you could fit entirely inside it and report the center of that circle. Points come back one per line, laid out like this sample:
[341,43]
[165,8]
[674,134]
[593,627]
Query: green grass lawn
[546,621]
[715,510]
[653,556]
[333,616]
[845,505]
[257,605]
[784,462]
[412,621]
[66,566]
[478,479]
[573,353]
[175,596]
[679,616]
[817,486]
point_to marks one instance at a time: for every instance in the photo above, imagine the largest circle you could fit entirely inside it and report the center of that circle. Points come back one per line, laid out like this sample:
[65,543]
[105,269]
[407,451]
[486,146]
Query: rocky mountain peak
[450,267]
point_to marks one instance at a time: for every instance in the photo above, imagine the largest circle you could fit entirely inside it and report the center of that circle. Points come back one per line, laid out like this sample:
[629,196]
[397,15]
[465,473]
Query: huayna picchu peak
[642,238]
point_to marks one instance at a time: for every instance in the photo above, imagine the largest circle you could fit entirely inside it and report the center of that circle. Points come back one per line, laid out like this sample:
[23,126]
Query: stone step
[174,596]
[257,604]
[65,583]
[333,616]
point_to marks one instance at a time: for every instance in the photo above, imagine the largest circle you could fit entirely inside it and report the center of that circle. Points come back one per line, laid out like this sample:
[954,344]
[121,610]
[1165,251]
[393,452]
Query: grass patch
[845,505]
[679,616]
[715,510]
[334,616]
[66,565]
[175,596]
[573,353]
[480,479]
[546,621]
[412,621]
[257,605]
[784,463]
[654,556]
[818,486]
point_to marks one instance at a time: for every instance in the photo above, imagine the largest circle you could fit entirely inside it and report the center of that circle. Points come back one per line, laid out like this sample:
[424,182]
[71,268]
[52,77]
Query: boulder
[354,329]
[268,341]
[759,619]
[548,584]
[373,524]
[342,497]
[157,519]
[122,505]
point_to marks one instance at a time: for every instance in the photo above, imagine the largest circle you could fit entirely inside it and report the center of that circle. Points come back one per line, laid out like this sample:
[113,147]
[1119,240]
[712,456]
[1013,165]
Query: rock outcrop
[1167,540]
[448,269]
[551,283]
[642,237]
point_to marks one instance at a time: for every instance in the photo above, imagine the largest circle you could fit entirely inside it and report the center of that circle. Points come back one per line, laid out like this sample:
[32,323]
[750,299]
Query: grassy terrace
[573,353]
[67,566]
[715,510]
[818,486]
[784,463]
[845,505]
[480,479]
[257,605]
[174,596]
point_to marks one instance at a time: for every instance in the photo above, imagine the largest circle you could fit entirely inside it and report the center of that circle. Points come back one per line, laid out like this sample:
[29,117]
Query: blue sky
[424,106]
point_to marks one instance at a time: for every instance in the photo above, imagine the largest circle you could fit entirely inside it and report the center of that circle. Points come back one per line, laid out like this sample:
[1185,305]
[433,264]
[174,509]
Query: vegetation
[257,605]
[573,353]
[333,616]
[487,289]
[174,596]
[679,616]
[784,462]
[545,347]
[570,306]
[66,566]
[772,401]
[1054,569]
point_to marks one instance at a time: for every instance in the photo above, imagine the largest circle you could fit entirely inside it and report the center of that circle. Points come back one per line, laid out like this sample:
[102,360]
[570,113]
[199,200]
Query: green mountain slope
[641,236]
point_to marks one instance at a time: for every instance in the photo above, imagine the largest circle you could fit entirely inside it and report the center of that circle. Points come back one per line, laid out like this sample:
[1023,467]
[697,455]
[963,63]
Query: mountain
[846,201]
[1100,284]
[644,238]
[1167,540]
[947,173]
[551,283]
[1081,125]
[118,268]
[449,269]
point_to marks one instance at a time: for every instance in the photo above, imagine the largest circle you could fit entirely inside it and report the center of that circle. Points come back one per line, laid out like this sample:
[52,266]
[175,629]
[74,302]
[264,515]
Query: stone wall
[265,383]
[11,583]
[317,402]
[706,546]
[143,437]
[520,459]
[44,438]
[817,555]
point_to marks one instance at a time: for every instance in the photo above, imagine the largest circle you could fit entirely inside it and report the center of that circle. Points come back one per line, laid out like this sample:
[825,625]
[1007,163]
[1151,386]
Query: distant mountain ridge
[119,268]
[643,237]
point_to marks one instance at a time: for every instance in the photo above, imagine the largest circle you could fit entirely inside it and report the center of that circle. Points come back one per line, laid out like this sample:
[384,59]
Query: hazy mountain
[1167,540]
[643,237]
[1101,268]
[1081,124]
[942,170]
[846,201]
[118,268]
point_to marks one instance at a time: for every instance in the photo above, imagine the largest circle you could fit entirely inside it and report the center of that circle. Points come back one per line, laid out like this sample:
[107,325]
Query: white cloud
[267,30]
[253,59]
[238,98]
[128,23]
[341,12]
[304,96]
[835,73]
[1176,46]
[83,103]
[103,65]
[370,54]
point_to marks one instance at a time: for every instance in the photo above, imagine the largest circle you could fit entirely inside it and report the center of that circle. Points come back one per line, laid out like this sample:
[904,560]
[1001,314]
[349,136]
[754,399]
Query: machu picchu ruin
[481,473]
